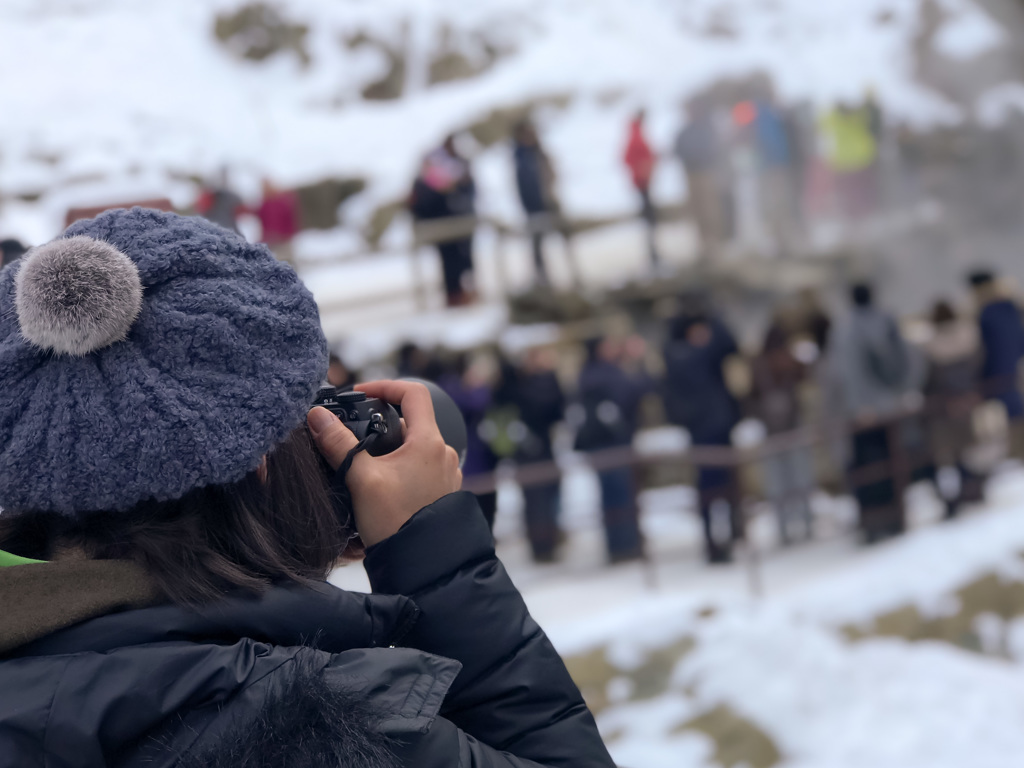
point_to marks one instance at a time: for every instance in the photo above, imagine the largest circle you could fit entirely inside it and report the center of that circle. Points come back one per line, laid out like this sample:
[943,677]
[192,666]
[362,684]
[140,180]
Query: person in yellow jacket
[850,150]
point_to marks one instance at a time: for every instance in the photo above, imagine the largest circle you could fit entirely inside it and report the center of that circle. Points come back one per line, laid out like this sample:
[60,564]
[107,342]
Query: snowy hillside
[105,100]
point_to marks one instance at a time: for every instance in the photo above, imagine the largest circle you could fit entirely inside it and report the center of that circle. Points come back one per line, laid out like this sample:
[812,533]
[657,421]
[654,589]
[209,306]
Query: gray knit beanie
[143,355]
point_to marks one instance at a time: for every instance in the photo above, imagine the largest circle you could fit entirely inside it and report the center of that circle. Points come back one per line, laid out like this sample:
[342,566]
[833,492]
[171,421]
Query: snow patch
[997,105]
[968,32]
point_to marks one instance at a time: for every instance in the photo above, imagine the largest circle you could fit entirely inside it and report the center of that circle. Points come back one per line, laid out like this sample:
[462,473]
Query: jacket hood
[94,691]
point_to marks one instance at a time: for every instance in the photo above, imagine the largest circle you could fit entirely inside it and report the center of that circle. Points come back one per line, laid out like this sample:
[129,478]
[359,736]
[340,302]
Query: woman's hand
[388,490]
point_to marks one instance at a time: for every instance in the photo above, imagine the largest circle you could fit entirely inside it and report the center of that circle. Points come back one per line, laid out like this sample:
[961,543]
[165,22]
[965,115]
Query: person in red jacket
[641,160]
[279,217]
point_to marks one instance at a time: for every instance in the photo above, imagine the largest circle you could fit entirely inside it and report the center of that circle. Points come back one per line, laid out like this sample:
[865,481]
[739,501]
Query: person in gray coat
[702,153]
[873,370]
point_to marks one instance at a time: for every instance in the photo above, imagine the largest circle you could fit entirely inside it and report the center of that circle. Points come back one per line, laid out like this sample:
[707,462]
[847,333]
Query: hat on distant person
[981,277]
[144,355]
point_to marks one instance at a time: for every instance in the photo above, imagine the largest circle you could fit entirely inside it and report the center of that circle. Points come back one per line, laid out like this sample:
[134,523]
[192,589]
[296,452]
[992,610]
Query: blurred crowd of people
[276,215]
[758,173]
[444,189]
[878,402]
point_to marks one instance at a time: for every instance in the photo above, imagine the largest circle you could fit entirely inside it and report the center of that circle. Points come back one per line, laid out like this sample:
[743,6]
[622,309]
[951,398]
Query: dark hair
[214,540]
[862,295]
[777,338]
[679,326]
[980,277]
[592,347]
[943,313]
[523,132]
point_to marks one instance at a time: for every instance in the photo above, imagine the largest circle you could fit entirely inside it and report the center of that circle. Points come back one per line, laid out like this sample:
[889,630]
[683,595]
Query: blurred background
[726,289]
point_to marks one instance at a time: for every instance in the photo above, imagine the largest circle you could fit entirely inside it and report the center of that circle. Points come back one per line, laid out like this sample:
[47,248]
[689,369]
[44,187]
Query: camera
[367,416]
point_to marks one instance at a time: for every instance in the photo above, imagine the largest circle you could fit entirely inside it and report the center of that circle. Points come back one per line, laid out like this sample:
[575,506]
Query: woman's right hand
[388,490]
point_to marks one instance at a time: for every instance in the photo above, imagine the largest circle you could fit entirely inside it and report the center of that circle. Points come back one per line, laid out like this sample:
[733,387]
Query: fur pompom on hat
[145,354]
[77,295]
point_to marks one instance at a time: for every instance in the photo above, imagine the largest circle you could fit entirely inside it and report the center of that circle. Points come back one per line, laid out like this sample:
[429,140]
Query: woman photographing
[168,527]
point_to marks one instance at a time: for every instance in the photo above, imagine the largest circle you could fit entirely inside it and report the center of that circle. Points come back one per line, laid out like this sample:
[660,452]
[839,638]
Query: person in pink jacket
[640,160]
[279,217]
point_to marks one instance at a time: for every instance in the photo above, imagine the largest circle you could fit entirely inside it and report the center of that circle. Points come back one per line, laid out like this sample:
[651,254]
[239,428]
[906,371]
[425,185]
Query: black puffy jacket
[696,394]
[303,677]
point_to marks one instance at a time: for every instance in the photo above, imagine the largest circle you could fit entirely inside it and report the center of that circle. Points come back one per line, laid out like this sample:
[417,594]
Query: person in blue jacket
[473,393]
[610,395]
[697,398]
[1002,341]
[540,405]
[535,181]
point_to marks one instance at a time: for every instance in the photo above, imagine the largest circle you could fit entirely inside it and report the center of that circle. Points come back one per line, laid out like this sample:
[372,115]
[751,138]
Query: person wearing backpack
[445,189]
[873,369]
[697,398]
[610,395]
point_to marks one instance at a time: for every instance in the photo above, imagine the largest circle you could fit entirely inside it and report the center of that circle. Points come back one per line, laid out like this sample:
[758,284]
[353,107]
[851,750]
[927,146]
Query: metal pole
[901,475]
[650,567]
[570,254]
[741,517]
[753,558]
[501,267]
[418,282]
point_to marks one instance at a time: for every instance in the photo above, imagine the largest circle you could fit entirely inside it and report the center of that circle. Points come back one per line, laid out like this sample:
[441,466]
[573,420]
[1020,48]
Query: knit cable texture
[220,365]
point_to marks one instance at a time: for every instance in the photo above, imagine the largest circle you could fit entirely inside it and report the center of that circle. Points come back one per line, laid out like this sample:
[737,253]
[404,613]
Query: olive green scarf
[40,598]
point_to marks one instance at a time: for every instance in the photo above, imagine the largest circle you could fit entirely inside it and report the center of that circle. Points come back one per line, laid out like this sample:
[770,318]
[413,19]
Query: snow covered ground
[668,666]
[783,664]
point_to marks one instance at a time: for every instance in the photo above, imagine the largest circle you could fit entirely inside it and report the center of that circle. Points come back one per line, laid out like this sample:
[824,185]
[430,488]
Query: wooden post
[755,578]
[901,471]
[500,256]
[416,270]
[566,229]
[650,567]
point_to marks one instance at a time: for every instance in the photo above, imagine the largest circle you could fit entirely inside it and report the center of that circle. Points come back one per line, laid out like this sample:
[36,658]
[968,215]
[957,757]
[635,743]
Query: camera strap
[340,494]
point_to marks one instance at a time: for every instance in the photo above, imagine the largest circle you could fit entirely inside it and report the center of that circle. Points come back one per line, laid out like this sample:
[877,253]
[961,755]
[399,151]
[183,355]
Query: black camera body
[368,415]
[365,416]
